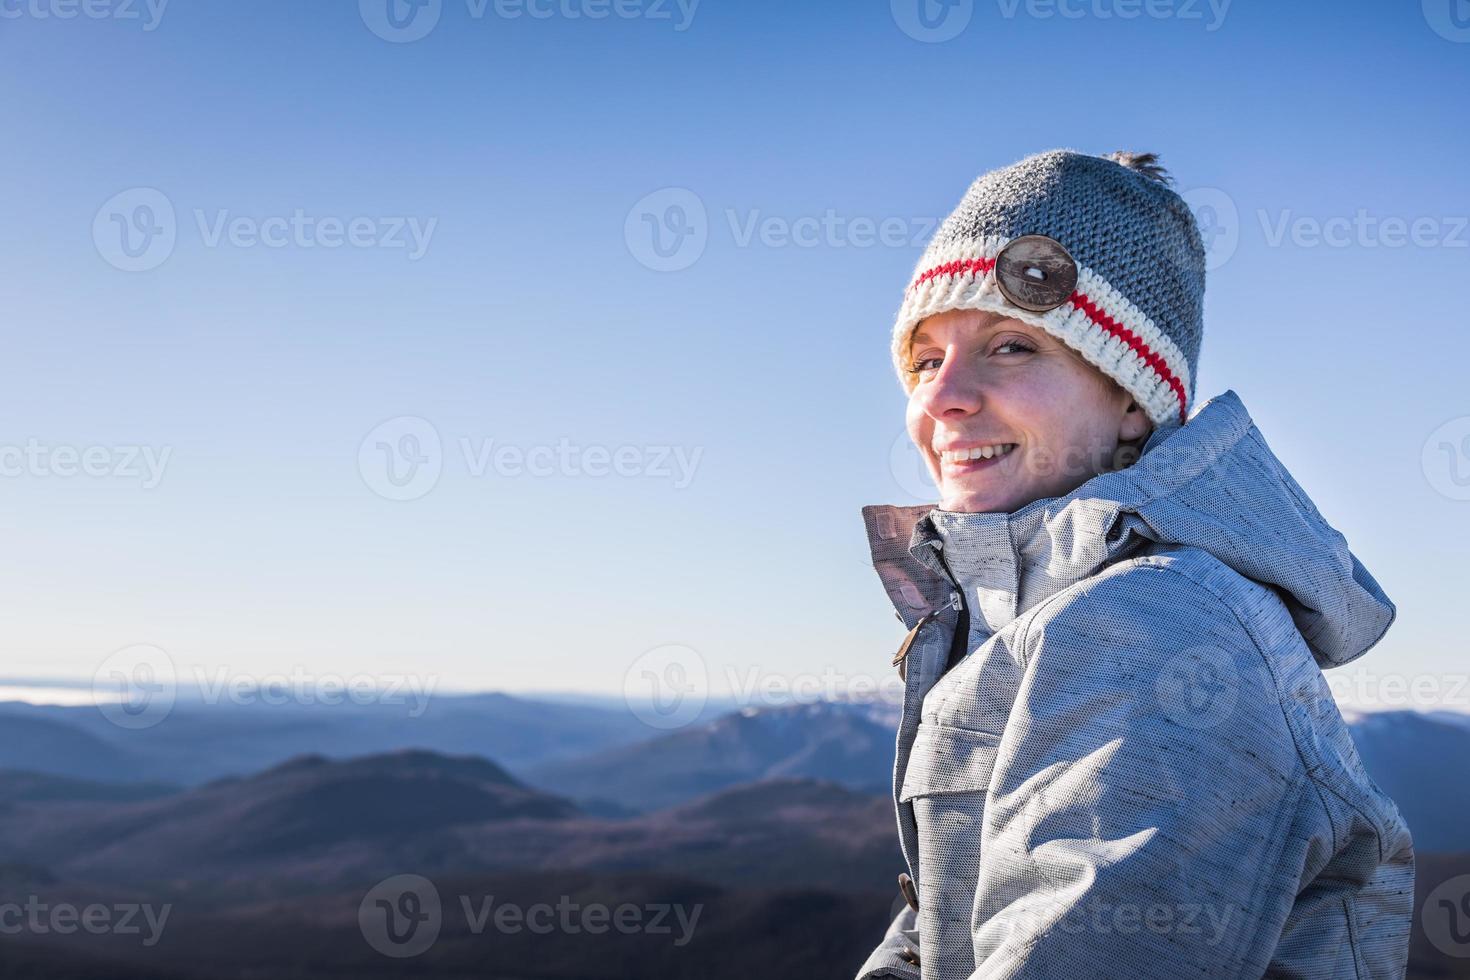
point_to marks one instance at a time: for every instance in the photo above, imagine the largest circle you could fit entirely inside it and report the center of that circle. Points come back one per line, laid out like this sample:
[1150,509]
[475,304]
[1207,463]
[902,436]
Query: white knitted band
[1098,322]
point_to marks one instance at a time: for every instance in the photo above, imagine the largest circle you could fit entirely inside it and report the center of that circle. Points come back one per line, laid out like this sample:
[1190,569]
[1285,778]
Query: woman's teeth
[979,452]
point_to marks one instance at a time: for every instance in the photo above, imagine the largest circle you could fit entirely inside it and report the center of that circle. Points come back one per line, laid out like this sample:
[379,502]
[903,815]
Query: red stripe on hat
[1084,303]
[971,266]
[1153,360]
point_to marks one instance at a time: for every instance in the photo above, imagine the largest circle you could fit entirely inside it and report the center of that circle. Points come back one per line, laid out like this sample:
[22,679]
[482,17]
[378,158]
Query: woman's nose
[953,389]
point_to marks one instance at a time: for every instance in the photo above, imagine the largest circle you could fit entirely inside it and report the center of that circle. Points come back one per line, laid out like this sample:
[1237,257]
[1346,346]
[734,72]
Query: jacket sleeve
[1144,789]
[888,961]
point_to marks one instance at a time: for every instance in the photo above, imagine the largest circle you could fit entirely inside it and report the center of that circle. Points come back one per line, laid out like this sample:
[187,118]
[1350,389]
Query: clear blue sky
[524,146]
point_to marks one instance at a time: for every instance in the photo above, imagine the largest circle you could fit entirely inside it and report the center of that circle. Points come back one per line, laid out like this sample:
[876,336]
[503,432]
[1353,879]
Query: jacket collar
[1212,483]
[1003,563]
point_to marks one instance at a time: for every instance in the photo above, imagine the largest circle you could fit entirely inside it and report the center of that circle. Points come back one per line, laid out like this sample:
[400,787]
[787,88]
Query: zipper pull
[908,641]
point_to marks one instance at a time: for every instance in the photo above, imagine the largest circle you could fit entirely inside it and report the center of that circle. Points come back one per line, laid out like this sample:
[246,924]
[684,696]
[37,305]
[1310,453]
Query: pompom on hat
[1097,251]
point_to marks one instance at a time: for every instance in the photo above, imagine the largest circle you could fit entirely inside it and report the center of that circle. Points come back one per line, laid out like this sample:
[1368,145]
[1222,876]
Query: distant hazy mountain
[20,786]
[315,822]
[1422,761]
[50,745]
[607,760]
[765,833]
[308,817]
[849,744]
[795,875]
[197,741]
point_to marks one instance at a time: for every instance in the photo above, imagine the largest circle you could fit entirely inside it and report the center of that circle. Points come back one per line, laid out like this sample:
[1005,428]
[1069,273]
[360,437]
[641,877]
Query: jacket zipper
[953,602]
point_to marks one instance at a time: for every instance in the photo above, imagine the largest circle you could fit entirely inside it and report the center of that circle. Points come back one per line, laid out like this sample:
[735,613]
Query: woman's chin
[966,500]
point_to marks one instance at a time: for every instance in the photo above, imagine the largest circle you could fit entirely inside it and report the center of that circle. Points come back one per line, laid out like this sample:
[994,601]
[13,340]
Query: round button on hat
[1036,273]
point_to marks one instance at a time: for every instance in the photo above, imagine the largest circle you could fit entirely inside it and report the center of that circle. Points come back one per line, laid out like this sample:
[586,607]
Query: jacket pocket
[948,759]
[946,785]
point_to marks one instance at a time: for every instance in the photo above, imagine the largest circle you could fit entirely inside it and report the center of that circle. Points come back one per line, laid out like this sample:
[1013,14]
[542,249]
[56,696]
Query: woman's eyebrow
[921,337]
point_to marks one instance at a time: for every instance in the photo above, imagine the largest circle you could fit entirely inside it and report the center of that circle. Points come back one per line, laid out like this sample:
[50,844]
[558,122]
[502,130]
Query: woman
[1117,755]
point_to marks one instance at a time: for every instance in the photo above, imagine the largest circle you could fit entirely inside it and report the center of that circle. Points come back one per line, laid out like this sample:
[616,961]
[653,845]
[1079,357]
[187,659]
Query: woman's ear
[1133,431]
[1135,425]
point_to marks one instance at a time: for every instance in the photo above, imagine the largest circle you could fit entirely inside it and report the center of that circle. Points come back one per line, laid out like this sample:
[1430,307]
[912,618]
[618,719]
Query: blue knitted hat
[1127,240]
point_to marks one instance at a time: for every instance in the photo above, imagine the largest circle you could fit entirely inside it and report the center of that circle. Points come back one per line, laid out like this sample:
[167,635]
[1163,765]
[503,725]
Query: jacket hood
[1211,483]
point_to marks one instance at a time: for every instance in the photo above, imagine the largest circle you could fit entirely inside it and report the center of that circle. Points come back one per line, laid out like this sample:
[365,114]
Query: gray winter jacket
[1132,765]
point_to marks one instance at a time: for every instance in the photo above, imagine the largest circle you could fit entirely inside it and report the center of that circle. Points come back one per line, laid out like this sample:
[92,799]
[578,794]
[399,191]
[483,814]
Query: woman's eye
[924,365]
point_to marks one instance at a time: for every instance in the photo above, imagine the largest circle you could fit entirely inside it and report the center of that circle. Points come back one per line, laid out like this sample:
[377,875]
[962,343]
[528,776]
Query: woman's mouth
[974,458]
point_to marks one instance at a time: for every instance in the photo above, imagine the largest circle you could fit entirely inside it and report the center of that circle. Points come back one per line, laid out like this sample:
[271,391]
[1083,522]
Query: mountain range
[774,820]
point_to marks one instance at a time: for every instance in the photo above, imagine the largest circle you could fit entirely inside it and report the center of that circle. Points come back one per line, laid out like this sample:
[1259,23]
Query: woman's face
[984,379]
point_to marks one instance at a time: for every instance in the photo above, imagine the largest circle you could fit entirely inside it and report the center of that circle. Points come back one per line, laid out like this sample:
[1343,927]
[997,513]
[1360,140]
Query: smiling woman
[1118,614]
[1003,413]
